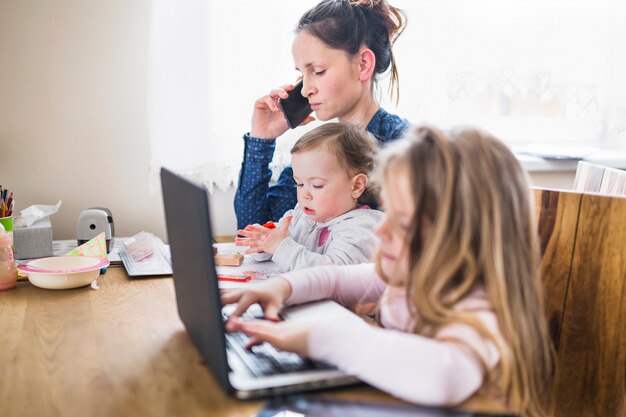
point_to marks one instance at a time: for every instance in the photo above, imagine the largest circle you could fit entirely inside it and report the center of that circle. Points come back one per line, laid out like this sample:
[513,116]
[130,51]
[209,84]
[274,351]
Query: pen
[234,277]
[10,200]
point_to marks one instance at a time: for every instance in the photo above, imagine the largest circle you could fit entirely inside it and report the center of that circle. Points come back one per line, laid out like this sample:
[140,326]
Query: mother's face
[331,79]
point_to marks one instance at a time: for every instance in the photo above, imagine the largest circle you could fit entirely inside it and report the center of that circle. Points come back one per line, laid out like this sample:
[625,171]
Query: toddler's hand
[262,239]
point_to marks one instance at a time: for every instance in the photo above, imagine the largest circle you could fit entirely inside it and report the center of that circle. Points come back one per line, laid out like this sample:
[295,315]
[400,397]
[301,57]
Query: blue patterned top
[257,202]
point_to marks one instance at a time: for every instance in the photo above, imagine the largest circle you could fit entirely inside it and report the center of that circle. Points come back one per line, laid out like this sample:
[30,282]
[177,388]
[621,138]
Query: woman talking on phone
[340,48]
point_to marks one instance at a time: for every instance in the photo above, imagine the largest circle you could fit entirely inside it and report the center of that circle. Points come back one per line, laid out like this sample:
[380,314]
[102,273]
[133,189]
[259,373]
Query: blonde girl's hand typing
[288,336]
[268,121]
[262,239]
[270,295]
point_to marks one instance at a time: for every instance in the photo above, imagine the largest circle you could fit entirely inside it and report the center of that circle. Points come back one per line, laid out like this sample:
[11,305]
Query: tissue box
[34,241]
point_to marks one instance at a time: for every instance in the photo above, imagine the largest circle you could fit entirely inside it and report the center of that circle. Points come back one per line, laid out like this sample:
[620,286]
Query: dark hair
[354,148]
[350,24]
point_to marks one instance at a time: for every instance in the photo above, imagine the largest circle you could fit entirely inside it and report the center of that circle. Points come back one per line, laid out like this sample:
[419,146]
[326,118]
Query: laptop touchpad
[316,311]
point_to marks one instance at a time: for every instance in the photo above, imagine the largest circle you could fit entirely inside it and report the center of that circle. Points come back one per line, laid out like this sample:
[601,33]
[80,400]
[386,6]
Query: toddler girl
[456,279]
[332,223]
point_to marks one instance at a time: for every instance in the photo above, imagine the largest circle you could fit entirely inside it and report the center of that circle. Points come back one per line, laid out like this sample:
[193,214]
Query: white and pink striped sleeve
[414,368]
[346,284]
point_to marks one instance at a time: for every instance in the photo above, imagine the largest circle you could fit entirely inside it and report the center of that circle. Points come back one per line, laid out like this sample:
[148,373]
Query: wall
[73,113]
[561,180]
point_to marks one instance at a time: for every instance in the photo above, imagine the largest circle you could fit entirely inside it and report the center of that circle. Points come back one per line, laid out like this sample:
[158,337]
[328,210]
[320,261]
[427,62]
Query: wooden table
[119,350]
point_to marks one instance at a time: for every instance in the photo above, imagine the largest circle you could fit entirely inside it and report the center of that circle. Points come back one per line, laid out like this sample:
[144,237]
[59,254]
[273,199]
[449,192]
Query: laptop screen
[188,224]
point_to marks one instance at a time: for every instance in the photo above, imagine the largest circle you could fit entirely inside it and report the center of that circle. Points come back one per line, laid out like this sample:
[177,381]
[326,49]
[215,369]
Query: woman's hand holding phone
[268,121]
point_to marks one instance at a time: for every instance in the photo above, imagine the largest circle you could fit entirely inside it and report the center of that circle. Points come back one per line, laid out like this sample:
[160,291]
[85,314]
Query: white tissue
[142,245]
[31,214]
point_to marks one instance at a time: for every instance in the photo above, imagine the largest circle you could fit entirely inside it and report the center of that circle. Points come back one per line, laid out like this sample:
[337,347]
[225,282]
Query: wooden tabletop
[118,350]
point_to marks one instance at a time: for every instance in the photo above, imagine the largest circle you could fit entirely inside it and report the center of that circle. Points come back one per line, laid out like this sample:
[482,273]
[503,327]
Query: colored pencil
[6,202]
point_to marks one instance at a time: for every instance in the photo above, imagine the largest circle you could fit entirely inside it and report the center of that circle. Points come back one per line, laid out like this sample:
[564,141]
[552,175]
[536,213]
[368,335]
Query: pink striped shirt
[440,371]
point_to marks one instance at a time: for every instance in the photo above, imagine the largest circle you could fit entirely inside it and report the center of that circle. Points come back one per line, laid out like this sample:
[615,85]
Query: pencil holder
[7,223]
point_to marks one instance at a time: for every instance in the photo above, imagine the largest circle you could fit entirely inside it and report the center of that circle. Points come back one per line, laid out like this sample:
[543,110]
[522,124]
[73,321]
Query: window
[528,71]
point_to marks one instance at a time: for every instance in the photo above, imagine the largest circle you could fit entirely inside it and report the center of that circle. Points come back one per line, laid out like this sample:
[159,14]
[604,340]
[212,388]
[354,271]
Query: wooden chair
[583,243]
[599,179]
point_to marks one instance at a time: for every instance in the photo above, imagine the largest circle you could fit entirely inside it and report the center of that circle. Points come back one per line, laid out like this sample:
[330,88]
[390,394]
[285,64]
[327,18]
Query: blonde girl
[456,278]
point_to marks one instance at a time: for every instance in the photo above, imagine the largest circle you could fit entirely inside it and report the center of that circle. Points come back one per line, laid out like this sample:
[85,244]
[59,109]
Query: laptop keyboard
[265,359]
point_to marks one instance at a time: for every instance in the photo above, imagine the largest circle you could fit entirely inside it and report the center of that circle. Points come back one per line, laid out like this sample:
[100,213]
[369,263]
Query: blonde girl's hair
[475,196]
[354,148]
[351,24]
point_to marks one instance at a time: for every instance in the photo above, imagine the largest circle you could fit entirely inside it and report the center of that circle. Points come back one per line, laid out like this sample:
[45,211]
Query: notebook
[245,374]
[156,265]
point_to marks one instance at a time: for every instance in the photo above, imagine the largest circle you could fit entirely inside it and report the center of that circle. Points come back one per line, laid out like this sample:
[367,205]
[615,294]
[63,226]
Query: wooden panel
[592,348]
[557,217]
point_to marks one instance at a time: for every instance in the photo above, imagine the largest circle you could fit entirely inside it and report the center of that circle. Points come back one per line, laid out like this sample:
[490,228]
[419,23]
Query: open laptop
[246,374]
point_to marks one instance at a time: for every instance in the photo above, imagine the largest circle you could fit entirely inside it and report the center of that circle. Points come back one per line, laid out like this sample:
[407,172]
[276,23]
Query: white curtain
[533,70]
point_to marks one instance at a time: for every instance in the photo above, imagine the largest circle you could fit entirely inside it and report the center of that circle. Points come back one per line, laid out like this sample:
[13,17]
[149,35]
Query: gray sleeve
[352,242]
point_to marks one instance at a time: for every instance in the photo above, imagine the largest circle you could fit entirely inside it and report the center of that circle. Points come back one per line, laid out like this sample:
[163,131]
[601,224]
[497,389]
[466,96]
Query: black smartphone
[296,107]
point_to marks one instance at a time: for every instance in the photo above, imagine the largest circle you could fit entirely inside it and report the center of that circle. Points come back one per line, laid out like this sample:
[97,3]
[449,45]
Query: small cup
[7,222]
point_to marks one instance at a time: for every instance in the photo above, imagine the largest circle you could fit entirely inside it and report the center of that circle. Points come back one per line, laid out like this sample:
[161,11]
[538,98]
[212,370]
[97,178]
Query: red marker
[270,225]
[234,277]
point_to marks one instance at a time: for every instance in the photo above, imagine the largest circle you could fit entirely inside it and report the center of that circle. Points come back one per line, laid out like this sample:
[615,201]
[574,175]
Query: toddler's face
[330,77]
[394,229]
[324,188]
